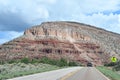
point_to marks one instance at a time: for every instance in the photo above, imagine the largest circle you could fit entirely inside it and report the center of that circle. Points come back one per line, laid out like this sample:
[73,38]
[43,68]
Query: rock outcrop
[70,40]
[52,30]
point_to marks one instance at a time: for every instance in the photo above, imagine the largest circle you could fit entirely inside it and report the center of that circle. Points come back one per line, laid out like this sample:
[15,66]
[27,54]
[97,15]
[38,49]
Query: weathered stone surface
[55,31]
[73,41]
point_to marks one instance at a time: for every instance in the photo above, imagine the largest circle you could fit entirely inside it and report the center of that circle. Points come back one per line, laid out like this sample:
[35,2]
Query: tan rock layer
[71,40]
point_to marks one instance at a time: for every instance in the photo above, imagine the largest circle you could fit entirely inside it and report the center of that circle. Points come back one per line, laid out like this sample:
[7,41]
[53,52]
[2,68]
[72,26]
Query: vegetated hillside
[8,71]
[63,39]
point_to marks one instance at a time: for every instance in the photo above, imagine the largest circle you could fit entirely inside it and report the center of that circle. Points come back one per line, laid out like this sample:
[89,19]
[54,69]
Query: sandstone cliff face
[71,40]
[55,31]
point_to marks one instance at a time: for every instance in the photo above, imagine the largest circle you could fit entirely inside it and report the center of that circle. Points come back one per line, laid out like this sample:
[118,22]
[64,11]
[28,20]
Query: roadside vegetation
[113,75]
[115,66]
[61,63]
[111,70]
[26,66]
[21,69]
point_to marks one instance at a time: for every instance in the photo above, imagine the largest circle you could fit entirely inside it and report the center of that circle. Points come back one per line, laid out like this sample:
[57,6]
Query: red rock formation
[73,41]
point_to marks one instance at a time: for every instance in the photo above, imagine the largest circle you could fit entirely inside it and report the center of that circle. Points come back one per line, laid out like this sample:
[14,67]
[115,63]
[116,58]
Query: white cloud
[29,10]
[4,2]
[8,35]
[3,41]
[48,1]
[91,6]
[32,15]
[109,22]
[101,13]
[14,34]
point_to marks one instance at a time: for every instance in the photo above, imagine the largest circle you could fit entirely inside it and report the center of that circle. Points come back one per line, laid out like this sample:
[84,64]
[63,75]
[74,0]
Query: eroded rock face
[55,31]
[73,41]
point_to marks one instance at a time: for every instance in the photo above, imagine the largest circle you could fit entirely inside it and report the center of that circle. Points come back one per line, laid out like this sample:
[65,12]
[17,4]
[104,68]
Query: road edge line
[69,74]
[102,74]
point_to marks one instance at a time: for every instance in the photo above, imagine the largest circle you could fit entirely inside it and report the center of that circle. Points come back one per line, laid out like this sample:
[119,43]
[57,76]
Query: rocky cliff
[71,40]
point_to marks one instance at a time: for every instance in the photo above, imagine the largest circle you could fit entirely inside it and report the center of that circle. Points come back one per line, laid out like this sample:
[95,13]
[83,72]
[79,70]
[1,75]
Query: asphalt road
[74,73]
[50,75]
[88,73]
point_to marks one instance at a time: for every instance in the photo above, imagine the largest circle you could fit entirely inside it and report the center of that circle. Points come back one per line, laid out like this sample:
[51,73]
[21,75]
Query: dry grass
[20,69]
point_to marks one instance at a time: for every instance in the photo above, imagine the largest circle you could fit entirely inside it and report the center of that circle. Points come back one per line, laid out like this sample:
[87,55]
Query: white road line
[102,74]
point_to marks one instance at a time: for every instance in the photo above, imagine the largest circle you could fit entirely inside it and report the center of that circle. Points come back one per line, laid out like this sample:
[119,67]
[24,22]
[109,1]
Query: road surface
[50,75]
[88,73]
[74,73]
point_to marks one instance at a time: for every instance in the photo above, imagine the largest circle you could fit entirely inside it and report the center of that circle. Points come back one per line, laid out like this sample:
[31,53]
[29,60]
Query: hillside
[70,40]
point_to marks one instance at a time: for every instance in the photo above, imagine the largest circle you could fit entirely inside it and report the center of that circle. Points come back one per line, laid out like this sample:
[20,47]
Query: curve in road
[87,73]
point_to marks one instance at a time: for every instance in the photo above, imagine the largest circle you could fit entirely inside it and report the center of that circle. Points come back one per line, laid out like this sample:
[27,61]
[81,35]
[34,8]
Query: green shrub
[11,61]
[34,61]
[25,60]
[2,62]
[110,64]
[73,64]
[62,62]
[49,61]
[117,66]
[45,60]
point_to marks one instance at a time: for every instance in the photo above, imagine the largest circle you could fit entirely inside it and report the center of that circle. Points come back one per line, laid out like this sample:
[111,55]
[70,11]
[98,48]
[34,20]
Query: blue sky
[18,15]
